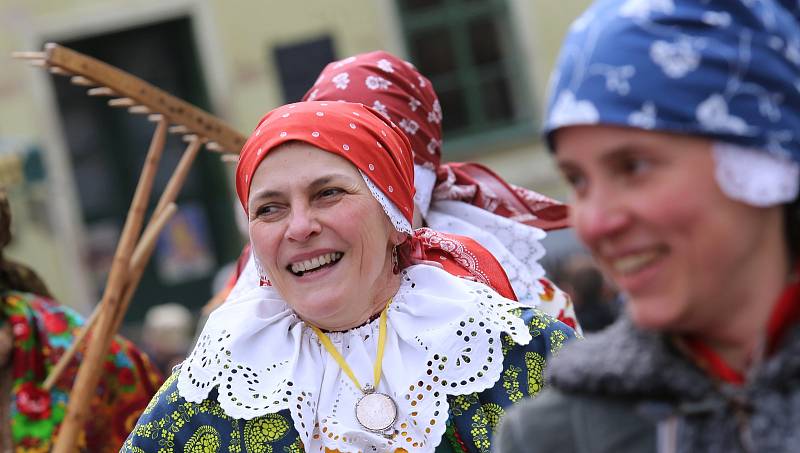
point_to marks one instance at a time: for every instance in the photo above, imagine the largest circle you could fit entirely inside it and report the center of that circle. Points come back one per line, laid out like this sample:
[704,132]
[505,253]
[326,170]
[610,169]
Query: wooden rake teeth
[102,91]
[137,95]
[139,110]
[121,102]
[60,71]
[82,81]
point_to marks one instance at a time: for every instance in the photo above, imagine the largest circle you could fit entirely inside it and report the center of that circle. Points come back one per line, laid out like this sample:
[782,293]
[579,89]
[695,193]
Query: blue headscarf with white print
[725,69]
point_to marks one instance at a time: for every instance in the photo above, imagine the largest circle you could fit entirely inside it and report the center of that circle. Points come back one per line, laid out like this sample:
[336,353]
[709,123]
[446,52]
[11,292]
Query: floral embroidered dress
[457,355]
[42,331]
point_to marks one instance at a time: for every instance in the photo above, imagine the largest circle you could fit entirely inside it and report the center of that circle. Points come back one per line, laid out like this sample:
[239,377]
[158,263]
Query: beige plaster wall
[235,39]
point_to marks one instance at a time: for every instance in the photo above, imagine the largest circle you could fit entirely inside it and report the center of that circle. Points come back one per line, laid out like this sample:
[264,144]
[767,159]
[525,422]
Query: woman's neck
[385,290]
[737,335]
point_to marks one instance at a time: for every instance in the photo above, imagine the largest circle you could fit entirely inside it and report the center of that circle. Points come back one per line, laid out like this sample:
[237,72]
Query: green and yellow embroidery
[480,431]
[160,392]
[262,431]
[511,383]
[557,339]
[205,440]
[534,362]
[462,403]
[493,413]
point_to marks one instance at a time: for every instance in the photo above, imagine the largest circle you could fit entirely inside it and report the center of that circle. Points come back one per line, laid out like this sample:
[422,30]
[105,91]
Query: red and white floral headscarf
[401,94]
[466,198]
[396,90]
[382,154]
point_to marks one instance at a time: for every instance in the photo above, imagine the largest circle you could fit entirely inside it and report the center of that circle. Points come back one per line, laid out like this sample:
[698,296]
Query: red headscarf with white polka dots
[382,153]
[352,131]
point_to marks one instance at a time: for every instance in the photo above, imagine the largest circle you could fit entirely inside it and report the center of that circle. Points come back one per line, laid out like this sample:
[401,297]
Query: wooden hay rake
[136,244]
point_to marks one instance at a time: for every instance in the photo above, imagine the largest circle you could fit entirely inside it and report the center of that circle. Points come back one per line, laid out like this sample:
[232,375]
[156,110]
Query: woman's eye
[634,166]
[266,210]
[331,192]
[576,180]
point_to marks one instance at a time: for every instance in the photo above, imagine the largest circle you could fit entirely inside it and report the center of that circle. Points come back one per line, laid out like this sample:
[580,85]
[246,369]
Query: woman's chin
[319,305]
[654,313]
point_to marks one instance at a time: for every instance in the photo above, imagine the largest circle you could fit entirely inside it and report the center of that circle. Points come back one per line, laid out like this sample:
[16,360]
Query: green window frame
[469,50]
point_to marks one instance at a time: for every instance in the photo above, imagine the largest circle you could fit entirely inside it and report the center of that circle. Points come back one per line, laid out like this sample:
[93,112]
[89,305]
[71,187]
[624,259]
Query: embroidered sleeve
[171,424]
[474,417]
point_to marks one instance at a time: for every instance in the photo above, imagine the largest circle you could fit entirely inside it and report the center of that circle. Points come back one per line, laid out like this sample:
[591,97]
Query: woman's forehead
[302,155]
[586,141]
[299,163]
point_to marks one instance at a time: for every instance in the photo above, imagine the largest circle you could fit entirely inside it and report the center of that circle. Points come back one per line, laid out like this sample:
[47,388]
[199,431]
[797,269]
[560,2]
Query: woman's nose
[599,217]
[303,224]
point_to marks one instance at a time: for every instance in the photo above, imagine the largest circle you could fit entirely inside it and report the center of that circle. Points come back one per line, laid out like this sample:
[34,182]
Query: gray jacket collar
[625,361]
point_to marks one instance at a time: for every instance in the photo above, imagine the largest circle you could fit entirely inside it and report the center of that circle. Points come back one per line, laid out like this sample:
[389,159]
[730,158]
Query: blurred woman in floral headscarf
[677,124]
[34,332]
[364,336]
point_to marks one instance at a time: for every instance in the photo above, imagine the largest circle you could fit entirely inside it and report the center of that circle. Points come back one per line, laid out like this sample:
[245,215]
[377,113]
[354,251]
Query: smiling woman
[332,271]
[463,198]
[363,335]
[676,124]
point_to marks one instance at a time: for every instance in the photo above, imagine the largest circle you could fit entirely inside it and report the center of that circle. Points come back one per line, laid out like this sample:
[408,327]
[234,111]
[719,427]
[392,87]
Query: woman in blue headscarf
[677,125]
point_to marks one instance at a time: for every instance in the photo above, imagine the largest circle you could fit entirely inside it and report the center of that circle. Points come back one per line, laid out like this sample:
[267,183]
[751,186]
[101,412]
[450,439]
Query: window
[299,65]
[467,49]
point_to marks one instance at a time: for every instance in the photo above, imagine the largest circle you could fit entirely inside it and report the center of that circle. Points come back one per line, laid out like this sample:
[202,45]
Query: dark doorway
[107,148]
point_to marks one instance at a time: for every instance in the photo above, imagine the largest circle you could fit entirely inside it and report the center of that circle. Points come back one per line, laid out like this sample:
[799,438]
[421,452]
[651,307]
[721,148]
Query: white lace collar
[515,245]
[443,339]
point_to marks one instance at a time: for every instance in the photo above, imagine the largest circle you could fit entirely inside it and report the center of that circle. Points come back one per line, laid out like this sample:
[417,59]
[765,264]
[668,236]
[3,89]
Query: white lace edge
[424,181]
[444,332]
[755,177]
[397,218]
[516,246]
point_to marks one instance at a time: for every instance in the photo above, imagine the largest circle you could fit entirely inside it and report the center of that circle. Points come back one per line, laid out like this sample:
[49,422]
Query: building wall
[235,40]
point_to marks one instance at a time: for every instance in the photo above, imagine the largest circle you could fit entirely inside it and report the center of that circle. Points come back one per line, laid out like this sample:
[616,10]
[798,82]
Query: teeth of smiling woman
[314,263]
[633,263]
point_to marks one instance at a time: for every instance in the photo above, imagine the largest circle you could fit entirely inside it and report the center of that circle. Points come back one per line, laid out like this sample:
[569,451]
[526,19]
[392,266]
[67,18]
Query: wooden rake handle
[141,255]
[198,127]
[91,368]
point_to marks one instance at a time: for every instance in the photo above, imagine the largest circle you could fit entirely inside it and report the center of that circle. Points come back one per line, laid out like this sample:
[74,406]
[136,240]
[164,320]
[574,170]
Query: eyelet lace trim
[399,221]
[443,339]
[755,177]
[515,245]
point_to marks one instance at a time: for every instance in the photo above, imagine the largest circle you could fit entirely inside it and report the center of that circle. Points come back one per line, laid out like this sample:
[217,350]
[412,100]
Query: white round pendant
[376,412]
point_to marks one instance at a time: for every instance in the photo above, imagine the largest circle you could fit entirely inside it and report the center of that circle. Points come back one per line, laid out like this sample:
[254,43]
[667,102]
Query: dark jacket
[625,390]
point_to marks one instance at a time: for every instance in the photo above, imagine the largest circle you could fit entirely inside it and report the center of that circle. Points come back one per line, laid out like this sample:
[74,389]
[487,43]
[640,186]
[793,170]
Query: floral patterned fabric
[42,331]
[170,424]
[723,69]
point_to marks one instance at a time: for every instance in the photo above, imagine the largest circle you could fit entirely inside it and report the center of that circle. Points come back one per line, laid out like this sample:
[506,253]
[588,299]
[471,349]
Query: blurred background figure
[34,333]
[167,334]
[595,300]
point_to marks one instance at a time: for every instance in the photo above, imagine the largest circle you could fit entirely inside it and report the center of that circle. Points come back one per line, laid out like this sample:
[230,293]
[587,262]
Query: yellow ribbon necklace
[376,412]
